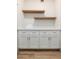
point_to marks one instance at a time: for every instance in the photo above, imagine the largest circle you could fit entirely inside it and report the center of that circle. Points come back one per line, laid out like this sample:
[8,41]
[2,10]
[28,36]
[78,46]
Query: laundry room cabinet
[38,39]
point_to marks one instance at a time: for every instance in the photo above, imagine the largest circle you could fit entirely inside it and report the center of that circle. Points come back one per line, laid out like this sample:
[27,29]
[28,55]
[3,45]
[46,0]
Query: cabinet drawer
[34,33]
[53,34]
[43,33]
[21,34]
[48,33]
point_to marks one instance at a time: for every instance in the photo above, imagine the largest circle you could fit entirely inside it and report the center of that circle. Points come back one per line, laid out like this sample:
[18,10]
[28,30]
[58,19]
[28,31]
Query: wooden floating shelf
[45,17]
[33,11]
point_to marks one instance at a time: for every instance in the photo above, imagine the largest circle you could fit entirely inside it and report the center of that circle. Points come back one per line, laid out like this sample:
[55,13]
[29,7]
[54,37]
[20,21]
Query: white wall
[20,16]
[58,13]
[51,7]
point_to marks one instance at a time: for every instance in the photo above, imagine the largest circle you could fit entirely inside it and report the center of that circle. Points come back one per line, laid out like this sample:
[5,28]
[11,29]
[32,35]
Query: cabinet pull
[49,38]
[28,38]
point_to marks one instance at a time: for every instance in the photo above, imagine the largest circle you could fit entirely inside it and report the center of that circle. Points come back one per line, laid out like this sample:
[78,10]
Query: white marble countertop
[40,29]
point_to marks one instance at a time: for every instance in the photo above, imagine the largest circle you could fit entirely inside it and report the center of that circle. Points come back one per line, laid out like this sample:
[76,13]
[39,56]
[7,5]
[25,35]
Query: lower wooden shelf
[45,17]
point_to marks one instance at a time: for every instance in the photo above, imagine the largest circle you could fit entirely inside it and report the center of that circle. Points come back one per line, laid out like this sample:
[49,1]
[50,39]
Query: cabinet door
[44,39]
[54,43]
[34,39]
[22,39]
[59,39]
[55,39]
[49,42]
[44,42]
[34,42]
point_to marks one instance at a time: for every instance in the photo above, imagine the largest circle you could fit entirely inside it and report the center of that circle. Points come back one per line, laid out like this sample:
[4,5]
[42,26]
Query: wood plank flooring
[39,55]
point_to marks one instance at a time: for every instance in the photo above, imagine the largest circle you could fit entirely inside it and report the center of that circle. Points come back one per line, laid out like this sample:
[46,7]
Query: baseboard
[23,49]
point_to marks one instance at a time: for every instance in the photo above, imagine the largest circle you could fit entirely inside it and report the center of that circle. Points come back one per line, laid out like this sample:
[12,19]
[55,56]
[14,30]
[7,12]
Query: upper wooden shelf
[45,17]
[33,11]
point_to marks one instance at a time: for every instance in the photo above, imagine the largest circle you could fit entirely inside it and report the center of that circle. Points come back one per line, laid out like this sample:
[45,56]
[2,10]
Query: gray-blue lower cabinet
[39,39]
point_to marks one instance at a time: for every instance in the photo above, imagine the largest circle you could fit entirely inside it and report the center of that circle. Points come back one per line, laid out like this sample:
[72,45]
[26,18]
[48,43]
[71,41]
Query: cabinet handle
[49,38]
[28,38]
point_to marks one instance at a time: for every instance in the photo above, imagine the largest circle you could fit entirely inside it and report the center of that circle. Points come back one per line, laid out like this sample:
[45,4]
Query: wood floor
[39,55]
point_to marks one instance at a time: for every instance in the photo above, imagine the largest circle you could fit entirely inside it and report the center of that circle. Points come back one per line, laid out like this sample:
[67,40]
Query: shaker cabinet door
[34,42]
[34,39]
[54,43]
[44,42]
[22,39]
